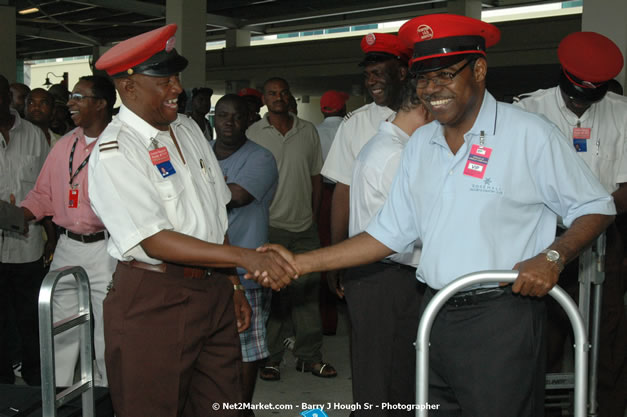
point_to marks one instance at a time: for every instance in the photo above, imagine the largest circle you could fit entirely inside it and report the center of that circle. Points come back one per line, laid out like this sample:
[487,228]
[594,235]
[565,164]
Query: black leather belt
[397,265]
[473,297]
[94,237]
[184,271]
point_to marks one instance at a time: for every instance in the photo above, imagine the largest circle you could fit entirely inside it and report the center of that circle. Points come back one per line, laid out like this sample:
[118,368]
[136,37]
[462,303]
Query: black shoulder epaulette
[348,115]
[108,146]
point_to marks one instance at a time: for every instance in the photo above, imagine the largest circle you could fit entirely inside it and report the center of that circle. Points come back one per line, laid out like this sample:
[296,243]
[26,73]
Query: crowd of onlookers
[299,187]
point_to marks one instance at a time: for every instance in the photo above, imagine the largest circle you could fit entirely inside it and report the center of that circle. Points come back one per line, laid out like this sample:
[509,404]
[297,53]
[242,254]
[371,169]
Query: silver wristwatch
[554,256]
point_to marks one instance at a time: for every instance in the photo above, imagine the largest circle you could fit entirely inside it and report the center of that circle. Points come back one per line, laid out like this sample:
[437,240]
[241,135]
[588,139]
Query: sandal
[270,372]
[320,369]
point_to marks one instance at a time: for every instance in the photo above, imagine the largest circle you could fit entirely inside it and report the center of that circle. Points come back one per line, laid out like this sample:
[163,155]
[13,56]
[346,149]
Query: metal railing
[482,277]
[47,330]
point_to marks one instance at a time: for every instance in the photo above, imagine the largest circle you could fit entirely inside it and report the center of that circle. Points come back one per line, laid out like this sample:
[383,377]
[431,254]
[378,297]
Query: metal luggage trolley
[47,330]
[436,303]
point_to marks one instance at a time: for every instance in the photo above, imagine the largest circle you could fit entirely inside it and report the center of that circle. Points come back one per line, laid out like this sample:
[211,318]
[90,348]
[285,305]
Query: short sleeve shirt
[354,132]
[375,169]
[135,200]
[253,168]
[604,148]
[472,223]
[299,157]
[21,160]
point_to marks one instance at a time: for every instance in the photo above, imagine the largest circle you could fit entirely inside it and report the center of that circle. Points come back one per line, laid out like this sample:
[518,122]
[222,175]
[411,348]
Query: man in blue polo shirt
[482,187]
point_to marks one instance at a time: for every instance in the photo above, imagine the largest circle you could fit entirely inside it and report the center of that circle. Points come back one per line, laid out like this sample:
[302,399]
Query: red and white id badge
[477,161]
[159,155]
[73,198]
[580,138]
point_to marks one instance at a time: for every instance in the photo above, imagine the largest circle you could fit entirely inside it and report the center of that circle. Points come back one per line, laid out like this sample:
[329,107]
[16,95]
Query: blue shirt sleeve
[259,175]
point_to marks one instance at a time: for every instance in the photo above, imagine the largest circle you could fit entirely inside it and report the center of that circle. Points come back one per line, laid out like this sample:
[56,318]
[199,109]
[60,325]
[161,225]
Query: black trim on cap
[161,64]
[374,57]
[448,45]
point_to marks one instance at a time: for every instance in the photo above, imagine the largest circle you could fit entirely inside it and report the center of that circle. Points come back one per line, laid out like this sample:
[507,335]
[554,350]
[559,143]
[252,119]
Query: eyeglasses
[79,97]
[441,78]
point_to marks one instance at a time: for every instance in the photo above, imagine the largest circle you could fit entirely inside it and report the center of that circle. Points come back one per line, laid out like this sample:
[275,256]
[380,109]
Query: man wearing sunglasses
[481,187]
[61,192]
[594,121]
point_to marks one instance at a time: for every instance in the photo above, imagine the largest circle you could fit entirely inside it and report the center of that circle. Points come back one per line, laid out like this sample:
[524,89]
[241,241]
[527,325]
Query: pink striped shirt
[50,196]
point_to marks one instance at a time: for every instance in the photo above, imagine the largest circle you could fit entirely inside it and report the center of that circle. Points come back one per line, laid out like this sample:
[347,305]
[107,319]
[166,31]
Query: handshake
[274,266]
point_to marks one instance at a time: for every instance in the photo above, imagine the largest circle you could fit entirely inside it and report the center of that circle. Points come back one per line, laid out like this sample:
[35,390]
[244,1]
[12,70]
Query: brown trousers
[172,347]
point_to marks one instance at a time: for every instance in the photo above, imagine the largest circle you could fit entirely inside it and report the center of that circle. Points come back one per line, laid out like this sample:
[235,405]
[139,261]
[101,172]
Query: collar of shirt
[146,131]
[571,118]
[485,122]
[18,119]
[265,123]
[396,134]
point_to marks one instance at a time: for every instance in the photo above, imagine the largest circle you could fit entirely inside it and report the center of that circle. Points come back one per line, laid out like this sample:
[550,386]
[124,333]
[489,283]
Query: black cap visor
[375,57]
[578,93]
[436,64]
[161,64]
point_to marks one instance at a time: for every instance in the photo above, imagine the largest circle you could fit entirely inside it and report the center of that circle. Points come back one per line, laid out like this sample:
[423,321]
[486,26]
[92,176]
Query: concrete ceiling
[64,28]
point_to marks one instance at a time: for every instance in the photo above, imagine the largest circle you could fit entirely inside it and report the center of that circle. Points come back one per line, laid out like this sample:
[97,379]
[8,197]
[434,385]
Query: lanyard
[72,158]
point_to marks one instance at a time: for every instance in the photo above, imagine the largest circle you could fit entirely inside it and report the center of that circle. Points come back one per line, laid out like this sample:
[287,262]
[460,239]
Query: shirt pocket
[29,169]
[170,188]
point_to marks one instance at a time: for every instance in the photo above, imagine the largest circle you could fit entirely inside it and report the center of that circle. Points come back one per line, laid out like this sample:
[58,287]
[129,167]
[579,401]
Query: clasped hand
[272,266]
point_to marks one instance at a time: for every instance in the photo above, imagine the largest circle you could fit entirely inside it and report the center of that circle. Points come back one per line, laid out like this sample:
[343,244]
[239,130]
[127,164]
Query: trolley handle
[483,277]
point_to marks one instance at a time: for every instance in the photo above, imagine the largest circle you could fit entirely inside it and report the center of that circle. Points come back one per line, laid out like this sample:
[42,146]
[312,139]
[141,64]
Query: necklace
[593,114]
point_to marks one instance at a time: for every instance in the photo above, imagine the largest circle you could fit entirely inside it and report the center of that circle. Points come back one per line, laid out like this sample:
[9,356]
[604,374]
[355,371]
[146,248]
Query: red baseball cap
[333,101]
[151,53]
[442,40]
[247,91]
[381,47]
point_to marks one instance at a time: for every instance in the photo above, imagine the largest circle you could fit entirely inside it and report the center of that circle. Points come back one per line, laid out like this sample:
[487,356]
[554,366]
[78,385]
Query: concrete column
[608,18]
[237,37]
[7,43]
[191,18]
[470,8]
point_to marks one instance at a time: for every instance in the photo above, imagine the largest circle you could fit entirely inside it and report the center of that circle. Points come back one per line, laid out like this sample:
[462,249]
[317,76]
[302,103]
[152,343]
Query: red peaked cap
[151,53]
[247,91]
[380,47]
[442,40]
[590,57]
[333,101]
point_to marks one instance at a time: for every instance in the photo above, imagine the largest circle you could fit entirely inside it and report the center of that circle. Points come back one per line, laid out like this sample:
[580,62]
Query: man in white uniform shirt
[594,121]
[171,319]
[385,68]
[23,151]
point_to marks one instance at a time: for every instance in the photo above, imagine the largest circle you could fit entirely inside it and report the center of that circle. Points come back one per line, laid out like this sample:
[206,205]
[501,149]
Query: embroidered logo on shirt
[487,185]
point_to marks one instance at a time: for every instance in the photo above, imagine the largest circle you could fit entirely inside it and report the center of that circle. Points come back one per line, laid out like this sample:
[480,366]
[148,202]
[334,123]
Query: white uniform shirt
[327,130]
[20,162]
[135,201]
[375,169]
[354,132]
[606,153]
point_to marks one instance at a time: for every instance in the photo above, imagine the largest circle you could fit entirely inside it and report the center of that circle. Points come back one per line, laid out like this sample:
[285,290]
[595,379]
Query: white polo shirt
[135,200]
[606,149]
